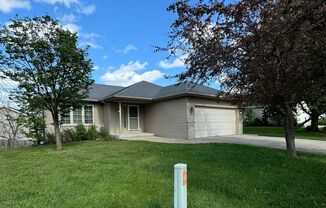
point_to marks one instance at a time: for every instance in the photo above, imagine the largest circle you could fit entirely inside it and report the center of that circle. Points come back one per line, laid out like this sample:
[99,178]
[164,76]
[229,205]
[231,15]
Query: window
[133,111]
[133,122]
[77,116]
[66,118]
[88,113]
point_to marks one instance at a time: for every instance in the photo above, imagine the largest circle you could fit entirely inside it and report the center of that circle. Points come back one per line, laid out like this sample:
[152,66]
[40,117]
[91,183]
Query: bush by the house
[69,135]
[103,134]
[50,138]
[80,132]
[92,133]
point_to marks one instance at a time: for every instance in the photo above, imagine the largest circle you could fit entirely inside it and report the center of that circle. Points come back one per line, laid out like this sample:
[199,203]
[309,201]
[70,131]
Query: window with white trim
[77,116]
[66,118]
[88,114]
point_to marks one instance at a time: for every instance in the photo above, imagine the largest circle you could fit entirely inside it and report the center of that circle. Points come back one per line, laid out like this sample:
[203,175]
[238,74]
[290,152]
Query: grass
[278,132]
[140,174]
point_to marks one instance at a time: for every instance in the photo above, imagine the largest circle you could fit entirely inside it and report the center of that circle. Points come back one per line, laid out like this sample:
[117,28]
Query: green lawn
[140,174]
[278,132]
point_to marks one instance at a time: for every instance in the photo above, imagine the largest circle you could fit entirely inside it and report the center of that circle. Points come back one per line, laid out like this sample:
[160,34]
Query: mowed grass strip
[140,174]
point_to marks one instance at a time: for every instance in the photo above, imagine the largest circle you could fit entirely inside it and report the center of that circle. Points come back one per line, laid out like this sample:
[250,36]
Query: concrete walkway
[303,145]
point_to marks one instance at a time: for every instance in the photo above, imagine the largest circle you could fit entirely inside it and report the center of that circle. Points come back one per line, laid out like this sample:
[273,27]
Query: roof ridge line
[126,88]
[107,95]
[120,91]
[107,85]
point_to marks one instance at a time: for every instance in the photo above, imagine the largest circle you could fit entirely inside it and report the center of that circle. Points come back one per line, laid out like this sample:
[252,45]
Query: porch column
[120,119]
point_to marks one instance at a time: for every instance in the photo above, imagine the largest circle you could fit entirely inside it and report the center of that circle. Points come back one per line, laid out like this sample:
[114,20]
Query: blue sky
[121,35]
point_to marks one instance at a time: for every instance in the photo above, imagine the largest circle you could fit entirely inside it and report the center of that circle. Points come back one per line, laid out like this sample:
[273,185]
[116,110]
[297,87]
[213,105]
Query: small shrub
[258,122]
[249,117]
[92,133]
[322,121]
[69,135]
[81,132]
[50,138]
[103,134]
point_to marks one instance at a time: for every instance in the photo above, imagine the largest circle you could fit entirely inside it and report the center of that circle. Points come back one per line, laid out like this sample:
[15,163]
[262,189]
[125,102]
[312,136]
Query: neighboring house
[258,112]
[302,117]
[10,130]
[178,111]
[8,126]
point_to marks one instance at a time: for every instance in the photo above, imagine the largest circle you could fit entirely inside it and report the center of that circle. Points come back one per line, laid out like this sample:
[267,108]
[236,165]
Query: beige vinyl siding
[106,117]
[113,118]
[98,118]
[167,118]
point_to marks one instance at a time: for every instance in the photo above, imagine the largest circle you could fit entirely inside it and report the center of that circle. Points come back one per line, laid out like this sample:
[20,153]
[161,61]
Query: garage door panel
[214,121]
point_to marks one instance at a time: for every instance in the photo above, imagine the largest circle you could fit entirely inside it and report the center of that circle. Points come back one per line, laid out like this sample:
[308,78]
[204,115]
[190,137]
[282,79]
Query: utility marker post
[180,185]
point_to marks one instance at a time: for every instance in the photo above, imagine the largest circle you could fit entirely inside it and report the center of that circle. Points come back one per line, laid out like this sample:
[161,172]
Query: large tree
[52,72]
[270,53]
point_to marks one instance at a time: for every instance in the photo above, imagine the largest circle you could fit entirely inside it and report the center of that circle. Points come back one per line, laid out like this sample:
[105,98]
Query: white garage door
[214,121]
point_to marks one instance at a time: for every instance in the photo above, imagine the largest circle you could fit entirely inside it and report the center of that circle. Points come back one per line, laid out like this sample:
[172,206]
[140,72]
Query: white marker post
[180,185]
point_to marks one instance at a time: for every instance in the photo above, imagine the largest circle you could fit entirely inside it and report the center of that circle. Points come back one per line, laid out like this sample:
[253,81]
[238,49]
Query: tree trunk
[314,120]
[288,125]
[57,132]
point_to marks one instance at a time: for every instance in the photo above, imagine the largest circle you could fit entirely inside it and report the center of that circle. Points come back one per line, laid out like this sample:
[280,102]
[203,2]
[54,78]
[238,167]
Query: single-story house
[183,110]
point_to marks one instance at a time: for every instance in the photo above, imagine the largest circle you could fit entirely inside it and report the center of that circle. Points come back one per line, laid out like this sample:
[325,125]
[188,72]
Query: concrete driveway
[303,145]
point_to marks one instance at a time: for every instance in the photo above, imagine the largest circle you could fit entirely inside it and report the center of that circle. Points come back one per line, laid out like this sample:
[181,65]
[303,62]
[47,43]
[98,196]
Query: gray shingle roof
[98,91]
[187,88]
[148,91]
[139,90]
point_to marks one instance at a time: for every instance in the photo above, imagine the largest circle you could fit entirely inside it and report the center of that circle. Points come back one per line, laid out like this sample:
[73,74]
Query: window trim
[84,116]
[71,113]
[70,121]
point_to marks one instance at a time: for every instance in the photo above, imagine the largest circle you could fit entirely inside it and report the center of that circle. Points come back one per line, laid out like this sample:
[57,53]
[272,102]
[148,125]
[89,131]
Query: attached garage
[215,121]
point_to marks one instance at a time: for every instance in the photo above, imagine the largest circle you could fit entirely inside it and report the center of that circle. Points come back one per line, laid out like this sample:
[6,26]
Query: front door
[133,117]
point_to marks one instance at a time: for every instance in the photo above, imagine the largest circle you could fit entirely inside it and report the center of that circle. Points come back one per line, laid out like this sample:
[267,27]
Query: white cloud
[7,6]
[86,39]
[90,44]
[177,63]
[87,10]
[127,49]
[91,36]
[72,27]
[67,3]
[105,57]
[131,73]
[68,18]
[95,68]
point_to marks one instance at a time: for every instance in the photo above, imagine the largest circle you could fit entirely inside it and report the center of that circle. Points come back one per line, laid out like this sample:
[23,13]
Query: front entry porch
[127,120]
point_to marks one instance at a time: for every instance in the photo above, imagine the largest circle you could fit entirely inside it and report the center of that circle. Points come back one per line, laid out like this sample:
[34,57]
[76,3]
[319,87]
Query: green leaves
[52,72]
